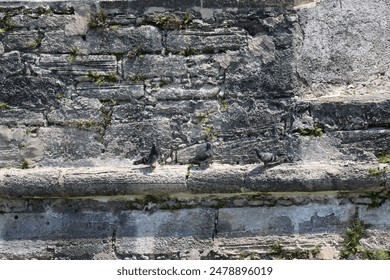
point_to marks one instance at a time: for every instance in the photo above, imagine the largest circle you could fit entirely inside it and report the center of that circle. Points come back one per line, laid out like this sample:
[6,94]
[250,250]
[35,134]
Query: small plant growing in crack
[376,171]
[35,43]
[4,106]
[74,53]
[316,131]
[100,79]
[352,237]
[384,157]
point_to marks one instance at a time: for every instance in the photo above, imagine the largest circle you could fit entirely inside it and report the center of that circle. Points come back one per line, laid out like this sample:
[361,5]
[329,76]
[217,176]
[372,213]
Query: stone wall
[98,80]
[87,86]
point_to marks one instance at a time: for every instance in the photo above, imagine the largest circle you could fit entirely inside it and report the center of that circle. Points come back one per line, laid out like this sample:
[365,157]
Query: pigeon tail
[151,159]
[204,157]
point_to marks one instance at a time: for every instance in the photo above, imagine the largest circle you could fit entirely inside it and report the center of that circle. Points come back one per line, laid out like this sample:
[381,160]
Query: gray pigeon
[151,159]
[266,157]
[204,157]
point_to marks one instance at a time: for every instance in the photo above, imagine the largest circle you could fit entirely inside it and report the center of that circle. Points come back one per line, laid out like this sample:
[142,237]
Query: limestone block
[15,117]
[30,183]
[1,48]
[164,231]
[47,22]
[78,25]
[20,40]
[343,45]
[19,144]
[69,144]
[316,218]
[129,139]
[80,111]
[30,92]
[151,66]
[352,112]
[57,42]
[312,176]
[117,91]
[51,225]
[196,41]
[216,179]
[375,217]
[178,92]
[124,40]
[124,181]
[129,112]
[362,144]
[261,76]
[10,64]
[81,65]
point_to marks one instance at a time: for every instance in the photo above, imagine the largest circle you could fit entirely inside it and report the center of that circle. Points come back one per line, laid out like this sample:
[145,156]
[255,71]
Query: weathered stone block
[124,40]
[343,45]
[261,77]
[31,93]
[129,112]
[57,42]
[21,40]
[15,117]
[81,112]
[10,64]
[80,65]
[216,40]
[179,92]
[69,144]
[151,66]
[215,179]
[117,91]
[30,183]
[234,222]
[129,139]
[45,22]
[180,230]
[124,181]
[352,112]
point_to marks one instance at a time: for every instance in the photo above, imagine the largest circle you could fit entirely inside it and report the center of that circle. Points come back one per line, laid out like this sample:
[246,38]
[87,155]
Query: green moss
[188,52]
[279,252]
[225,105]
[137,78]
[137,52]
[85,124]
[316,131]
[100,79]
[376,254]
[6,23]
[4,106]
[24,164]
[376,171]
[163,83]
[35,43]
[169,21]
[187,18]
[384,157]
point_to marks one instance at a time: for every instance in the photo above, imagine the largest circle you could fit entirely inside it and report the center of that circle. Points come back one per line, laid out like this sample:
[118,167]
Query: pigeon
[151,159]
[204,157]
[266,157]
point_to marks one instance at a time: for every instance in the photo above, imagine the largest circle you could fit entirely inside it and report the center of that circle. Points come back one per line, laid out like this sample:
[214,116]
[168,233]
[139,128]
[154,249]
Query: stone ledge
[167,180]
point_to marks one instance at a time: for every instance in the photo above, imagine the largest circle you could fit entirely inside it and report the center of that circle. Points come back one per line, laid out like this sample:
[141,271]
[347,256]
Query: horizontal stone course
[165,180]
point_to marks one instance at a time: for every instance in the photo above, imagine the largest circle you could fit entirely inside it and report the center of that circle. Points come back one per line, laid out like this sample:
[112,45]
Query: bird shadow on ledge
[262,168]
[145,170]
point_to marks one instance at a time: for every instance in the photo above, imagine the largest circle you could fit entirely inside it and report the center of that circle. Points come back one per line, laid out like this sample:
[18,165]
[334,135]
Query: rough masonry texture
[86,87]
